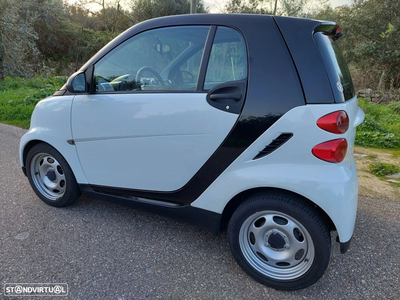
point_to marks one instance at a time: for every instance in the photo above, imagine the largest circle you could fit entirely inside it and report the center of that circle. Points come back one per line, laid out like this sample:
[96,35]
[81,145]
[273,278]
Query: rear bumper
[344,247]
[342,206]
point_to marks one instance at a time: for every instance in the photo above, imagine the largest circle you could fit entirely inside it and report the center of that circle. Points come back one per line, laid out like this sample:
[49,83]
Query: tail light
[336,33]
[336,122]
[331,151]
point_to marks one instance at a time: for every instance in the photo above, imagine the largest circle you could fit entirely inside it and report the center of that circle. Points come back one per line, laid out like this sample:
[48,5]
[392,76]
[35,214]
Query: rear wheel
[280,241]
[50,176]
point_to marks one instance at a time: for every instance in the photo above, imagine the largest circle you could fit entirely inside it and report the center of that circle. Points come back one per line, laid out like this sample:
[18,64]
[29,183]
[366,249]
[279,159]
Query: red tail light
[336,33]
[336,122]
[332,151]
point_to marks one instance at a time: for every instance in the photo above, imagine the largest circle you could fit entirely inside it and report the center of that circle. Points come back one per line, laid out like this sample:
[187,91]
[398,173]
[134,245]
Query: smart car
[244,122]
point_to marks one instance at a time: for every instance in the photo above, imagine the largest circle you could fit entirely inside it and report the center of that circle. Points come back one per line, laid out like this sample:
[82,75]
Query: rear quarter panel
[292,167]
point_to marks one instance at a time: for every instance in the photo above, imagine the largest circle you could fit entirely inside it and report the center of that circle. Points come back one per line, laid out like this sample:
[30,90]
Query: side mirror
[161,48]
[77,83]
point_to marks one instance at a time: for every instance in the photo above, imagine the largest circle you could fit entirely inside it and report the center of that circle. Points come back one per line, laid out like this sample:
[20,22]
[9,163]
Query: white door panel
[146,141]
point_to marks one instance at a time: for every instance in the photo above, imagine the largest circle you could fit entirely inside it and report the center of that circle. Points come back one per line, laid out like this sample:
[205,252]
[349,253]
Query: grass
[19,96]
[381,127]
[372,156]
[396,153]
[383,169]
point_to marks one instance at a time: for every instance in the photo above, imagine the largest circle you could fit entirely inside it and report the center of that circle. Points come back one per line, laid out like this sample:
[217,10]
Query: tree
[371,40]
[147,9]
[250,6]
[18,51]
[27,30]
[293,8]
[374,30]
[111,17]
[80,15]
[281,7]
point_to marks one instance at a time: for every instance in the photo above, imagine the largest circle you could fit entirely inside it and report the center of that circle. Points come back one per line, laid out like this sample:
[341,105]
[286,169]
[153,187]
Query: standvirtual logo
[35,289]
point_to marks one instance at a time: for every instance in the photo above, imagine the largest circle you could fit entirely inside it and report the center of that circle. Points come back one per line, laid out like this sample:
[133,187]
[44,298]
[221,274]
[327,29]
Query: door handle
[235,97]
[228,96]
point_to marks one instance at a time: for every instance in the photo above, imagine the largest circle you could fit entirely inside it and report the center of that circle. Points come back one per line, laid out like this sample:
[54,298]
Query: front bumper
[24,170]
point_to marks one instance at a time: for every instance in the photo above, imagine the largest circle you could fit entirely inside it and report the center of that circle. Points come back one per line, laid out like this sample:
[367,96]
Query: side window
[188,73]
[159,59]
[228,59]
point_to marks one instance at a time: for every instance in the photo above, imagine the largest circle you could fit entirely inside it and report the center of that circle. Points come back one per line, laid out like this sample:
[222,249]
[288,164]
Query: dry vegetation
[371,185]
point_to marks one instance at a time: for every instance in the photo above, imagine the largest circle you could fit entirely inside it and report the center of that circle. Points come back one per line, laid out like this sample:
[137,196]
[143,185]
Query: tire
[50,176]
[280,241]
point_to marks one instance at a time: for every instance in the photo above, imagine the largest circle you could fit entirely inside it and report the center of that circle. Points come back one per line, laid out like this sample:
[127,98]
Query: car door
[163,102]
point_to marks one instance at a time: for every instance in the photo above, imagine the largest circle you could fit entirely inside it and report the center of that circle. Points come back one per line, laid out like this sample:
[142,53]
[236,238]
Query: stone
[394,176]
[392,180]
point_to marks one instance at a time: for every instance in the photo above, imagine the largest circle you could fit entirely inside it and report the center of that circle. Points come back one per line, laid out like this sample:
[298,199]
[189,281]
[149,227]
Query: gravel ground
[107,251]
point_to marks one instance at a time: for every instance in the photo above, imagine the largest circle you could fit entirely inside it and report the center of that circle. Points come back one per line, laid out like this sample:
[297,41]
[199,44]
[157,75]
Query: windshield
[338,71]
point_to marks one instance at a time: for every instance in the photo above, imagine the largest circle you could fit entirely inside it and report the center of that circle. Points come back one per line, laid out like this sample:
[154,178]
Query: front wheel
[50,176]
[280,241]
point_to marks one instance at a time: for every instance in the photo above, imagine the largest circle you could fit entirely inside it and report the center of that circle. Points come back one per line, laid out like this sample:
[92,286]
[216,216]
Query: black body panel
[273,89]
[203,218]
[205,58]
[298,34]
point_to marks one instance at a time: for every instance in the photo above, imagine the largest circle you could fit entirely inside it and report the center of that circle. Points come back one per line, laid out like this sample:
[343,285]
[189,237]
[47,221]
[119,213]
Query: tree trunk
[193,6]
[381,84]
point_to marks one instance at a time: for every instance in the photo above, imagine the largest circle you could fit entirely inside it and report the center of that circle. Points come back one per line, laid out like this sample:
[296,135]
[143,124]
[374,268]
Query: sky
[335,3]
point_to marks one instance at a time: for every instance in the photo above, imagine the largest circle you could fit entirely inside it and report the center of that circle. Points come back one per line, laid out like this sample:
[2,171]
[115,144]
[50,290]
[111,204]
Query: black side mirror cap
[77,83]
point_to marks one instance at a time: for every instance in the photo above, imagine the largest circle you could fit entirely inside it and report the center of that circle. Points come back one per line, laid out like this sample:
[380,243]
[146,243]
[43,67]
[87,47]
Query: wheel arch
[28,147]
[50,174]
[237,200]
[67,151]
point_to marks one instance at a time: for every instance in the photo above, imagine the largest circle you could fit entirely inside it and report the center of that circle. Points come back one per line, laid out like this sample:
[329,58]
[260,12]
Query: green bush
[18,97]
[381,127]
[35,82]
[383,169]
[377,139]
[395,105]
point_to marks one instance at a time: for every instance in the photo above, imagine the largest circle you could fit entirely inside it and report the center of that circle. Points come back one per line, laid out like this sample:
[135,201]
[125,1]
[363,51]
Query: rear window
[336,66]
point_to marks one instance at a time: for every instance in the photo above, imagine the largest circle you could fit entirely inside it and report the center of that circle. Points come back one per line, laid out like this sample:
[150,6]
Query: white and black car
[239,121]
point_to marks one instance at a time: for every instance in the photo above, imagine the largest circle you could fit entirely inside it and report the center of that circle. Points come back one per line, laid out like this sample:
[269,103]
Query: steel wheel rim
[276,245]
[48,176]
